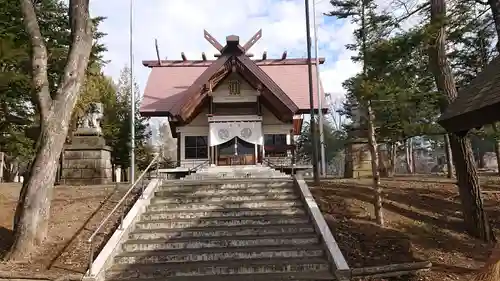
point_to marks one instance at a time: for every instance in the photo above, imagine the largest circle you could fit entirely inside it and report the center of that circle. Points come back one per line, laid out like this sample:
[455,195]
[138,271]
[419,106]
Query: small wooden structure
[477,104]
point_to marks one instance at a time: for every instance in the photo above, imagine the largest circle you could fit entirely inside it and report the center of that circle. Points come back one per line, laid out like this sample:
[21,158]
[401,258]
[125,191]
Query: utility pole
[320,97]
[311,99]
[132,99]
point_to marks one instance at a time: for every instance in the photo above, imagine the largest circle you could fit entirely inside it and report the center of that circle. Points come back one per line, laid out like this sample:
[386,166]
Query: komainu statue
[90,122]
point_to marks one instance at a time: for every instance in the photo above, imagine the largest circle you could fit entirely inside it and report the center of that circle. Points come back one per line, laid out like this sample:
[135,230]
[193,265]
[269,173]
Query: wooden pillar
[179,136]
[292,145]
[256,153]
[214,156]
[2,160]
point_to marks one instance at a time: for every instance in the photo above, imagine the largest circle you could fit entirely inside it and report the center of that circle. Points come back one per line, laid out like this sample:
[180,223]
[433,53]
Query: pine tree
[475,217]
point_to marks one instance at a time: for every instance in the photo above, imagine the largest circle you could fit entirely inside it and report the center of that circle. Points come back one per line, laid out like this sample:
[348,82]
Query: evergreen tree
[117,125]
[19,112]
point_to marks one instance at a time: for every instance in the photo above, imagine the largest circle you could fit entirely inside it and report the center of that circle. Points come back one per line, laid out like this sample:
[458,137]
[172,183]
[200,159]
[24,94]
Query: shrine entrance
[236,152]
[235,143]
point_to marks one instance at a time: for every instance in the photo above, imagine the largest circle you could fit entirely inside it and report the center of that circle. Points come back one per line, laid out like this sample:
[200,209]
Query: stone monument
[357,157]
[87,160]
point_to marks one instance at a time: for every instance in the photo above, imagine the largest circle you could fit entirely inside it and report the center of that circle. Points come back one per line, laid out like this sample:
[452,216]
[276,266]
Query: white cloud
[178,26]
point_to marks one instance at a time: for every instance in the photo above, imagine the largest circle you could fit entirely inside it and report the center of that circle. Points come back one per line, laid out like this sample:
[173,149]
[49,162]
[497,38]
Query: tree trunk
[11,169]
[372,143]
[33,208]
[480,159]
[372,139]
[409,156]
[475,218]
[392,160]
[497,147]
[491,269]
[495,11]
[450,169]
[2,165]
[413,162]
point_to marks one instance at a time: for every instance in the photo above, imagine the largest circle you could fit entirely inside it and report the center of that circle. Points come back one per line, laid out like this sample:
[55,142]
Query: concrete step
[231,231]
[210,191]
[226,181]
[247,177]
[221,254]
[239,173]
[214,205]
[237,212]
[226,187]
[289,276]
[222,198]
[218,242]
[222,221]
[212,270]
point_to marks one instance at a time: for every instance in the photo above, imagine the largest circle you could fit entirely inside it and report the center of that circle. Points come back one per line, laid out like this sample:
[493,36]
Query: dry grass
[75,214]
[422,216]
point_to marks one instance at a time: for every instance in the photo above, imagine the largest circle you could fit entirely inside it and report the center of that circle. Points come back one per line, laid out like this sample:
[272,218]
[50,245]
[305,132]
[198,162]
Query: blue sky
[178,26]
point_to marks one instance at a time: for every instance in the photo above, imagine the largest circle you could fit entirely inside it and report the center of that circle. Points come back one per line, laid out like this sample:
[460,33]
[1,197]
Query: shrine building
[232,110]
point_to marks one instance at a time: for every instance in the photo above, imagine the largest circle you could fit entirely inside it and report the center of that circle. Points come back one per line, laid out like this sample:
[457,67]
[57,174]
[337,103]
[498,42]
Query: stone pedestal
[357,155]
[87,161]
[357,159]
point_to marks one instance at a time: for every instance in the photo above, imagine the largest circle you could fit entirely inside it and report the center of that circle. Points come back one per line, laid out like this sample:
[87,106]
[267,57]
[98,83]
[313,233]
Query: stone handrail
[340,267]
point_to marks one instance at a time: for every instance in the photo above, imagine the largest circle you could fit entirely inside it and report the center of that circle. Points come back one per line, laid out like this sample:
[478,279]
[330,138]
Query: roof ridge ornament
[233,40]
[212,40]
[255,38]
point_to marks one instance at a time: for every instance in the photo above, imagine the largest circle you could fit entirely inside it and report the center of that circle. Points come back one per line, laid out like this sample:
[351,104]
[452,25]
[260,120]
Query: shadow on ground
[75,214]
[421,224]
[6,240]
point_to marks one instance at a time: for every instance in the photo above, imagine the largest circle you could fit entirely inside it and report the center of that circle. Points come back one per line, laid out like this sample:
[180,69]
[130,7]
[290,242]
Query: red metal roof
[168,81]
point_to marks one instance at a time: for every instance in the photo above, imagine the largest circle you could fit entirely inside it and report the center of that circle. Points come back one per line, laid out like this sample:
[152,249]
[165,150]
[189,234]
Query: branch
[481,2]
[411,13]
[79,53]
[38,58]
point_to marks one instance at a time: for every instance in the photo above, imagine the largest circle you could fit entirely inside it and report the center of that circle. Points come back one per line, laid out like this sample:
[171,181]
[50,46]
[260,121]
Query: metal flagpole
[311,95]
[320,97]
[132,100]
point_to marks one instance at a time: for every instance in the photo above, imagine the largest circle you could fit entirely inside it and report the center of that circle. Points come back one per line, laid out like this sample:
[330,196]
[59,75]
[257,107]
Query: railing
[278,163]
[103,222]
[201,165]
[188,164]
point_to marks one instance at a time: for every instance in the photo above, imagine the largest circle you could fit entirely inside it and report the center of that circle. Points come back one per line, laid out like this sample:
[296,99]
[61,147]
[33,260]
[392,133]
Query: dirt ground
[422,216]
[75,214]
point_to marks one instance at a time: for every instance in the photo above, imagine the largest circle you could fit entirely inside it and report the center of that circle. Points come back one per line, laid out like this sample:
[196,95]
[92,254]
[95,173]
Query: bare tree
[32,213]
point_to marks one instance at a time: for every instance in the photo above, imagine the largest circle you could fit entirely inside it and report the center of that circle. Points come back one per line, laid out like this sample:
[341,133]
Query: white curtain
[220,133]
[250,132]
[225,131]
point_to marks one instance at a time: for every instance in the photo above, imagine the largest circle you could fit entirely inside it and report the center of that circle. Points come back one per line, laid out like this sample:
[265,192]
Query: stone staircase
[246,229]
[237,172]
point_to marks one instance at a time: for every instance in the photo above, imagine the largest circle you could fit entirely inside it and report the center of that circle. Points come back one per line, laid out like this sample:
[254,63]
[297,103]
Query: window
[275,145]
[239,108]
[195,147]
